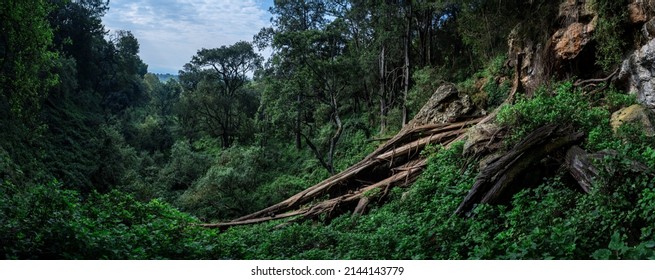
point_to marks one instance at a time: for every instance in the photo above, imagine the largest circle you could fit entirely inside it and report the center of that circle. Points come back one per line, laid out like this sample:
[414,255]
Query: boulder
[578,20]
[633,114]
[446,105]
[570,41]
[640,11]
[648,30]
[480,139]
[638,70]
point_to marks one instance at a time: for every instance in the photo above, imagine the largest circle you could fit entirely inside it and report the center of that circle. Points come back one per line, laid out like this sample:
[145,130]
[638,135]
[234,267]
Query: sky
[170,32]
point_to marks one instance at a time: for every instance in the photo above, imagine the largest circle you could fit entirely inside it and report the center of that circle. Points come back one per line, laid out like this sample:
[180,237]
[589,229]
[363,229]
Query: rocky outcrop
[638,70]
[580,19]
[480,139]
[446,105]
[635,114]
[571,11]
[648,30]
[569,42]
[640,11]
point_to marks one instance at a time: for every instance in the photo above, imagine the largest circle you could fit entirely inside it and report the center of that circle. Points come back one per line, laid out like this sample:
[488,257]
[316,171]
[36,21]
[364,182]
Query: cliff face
[571,49]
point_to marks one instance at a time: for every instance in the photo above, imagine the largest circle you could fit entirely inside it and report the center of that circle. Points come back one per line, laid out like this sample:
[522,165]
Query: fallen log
[584,168]
[403,164]
[398,151]
[495,181]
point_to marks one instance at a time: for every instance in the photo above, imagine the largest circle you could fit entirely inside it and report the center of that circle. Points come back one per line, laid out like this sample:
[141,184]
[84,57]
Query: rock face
[648,30]
[579,22]
[445,105]
[639,71]
[570,41]
[634,114]
[640,11]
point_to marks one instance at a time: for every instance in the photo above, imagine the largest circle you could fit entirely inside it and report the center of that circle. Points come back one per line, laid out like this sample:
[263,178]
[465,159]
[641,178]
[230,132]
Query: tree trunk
[382,91]
[337,134]
[406,67]
[298,123]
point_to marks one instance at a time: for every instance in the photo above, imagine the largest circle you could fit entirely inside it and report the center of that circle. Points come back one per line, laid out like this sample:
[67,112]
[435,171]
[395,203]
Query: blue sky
[170,32]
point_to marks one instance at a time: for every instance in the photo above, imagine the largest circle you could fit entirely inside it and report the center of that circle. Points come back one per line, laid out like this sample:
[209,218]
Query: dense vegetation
[101,160]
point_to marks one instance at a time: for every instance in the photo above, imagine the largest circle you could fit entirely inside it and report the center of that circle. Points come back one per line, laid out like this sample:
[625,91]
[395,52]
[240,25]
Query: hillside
[409,130]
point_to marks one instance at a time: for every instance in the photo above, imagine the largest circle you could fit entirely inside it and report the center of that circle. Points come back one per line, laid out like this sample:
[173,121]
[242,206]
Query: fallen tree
[395,164]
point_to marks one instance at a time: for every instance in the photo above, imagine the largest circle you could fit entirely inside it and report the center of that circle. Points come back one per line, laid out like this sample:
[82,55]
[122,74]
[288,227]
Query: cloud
[170,32]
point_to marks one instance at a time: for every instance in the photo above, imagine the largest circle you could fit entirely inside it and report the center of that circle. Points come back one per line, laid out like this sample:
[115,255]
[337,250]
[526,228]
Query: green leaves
[25,58]
[564,105]
[216,101]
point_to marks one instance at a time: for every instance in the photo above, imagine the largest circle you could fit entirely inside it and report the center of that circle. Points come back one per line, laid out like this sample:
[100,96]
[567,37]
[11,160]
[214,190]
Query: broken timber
[398,162]
[495,181]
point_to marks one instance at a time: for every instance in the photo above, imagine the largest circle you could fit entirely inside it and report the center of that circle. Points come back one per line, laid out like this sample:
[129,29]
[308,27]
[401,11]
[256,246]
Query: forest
[377,129]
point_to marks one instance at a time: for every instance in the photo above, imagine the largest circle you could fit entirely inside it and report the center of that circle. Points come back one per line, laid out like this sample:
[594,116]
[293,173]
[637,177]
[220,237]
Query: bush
[565,105]
[47,222]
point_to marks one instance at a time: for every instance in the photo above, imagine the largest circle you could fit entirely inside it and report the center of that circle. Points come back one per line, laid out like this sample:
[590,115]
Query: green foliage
[220,146]
[609,33]
[217,102]
[184,167]
[426,81]
[489,87]
[226,189]
[564,105]
[25,58]
[485,25]
[47,222]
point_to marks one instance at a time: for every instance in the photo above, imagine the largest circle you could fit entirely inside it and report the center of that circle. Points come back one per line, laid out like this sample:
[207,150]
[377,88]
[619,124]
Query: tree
[25,57]
[124,84]
[214,80]
[231,64]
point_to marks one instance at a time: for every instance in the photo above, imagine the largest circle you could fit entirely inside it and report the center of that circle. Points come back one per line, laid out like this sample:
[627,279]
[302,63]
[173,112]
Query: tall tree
[216,78]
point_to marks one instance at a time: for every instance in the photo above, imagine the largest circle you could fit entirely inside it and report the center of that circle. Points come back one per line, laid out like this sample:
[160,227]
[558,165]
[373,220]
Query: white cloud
[170,32]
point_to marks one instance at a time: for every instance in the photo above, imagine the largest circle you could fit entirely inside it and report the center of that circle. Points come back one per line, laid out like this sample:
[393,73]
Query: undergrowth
[551,221]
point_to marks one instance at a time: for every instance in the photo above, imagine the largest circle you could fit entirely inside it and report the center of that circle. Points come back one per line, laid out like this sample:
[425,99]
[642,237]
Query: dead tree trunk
[495,181]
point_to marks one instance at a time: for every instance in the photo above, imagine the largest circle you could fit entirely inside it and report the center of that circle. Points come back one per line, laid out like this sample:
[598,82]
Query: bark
[494,183]
[337,134]
[406,66]
[382,91]
[298,122]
